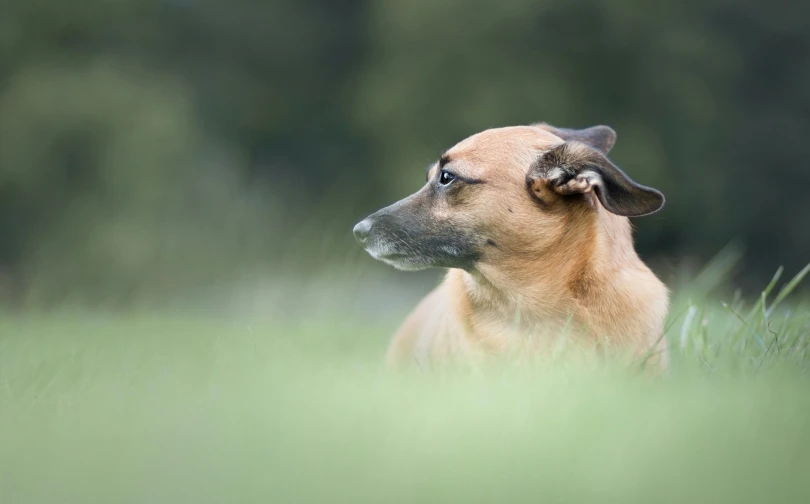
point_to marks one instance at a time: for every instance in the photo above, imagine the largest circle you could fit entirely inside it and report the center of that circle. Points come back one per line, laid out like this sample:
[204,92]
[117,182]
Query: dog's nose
[361,230]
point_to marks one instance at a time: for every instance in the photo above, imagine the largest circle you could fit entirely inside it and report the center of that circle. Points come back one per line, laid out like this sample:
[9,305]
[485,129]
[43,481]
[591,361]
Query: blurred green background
[156,148]
[178,184]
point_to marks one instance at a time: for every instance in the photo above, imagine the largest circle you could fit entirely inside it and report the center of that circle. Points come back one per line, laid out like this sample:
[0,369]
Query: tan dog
[532,223]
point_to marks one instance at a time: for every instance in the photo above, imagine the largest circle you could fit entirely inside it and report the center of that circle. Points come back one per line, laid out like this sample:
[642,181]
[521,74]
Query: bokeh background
[186,317]
[165,150]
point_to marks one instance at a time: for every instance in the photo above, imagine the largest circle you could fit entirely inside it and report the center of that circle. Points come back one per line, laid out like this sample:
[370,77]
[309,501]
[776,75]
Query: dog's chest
[521,334]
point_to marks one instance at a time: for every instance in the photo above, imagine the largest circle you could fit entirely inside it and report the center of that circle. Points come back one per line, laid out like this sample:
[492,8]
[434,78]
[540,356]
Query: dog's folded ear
[576,168]
[600,137]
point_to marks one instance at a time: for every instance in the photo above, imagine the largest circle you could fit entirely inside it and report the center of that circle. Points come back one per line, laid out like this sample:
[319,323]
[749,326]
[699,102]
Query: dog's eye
[446,178]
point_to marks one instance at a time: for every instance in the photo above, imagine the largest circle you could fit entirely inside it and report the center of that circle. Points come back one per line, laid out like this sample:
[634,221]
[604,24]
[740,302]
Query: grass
[155,407]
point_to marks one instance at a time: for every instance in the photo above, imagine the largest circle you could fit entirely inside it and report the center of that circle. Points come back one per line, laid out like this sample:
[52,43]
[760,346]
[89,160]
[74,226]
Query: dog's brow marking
[444,159]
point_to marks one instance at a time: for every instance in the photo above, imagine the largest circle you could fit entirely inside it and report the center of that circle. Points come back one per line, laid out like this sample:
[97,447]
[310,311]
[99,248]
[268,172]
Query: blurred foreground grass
[155,407]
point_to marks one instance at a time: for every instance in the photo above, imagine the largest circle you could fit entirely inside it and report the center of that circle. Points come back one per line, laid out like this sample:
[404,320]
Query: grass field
[175,407]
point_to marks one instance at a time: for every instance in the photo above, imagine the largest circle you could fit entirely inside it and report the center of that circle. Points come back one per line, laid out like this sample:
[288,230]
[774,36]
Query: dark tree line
[146,143]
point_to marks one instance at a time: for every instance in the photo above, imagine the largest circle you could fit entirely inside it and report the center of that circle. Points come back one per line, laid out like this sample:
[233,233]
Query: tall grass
[155,407]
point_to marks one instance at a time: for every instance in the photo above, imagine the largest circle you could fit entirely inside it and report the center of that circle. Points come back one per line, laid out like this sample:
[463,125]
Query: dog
[532,224]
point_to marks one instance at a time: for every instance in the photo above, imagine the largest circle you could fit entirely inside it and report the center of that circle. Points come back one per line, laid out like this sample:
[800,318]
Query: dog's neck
[566,282]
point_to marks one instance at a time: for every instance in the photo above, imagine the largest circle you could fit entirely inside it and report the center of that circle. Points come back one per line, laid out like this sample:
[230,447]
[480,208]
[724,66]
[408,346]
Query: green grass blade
[787,289]
[767,291]
[745,324]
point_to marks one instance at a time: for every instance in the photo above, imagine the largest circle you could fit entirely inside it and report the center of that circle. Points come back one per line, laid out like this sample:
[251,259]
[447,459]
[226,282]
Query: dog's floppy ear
[573,167]
[600,137]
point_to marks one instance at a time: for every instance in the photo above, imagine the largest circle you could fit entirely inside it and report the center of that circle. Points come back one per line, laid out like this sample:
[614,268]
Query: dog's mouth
[411,248]
[391,256]
[400,260]
[419,257]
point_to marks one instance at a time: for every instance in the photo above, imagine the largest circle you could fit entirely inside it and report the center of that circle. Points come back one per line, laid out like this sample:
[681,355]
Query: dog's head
[502,192]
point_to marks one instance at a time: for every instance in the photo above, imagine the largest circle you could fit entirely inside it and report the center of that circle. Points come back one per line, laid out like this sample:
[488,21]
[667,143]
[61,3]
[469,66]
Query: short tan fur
[532,224]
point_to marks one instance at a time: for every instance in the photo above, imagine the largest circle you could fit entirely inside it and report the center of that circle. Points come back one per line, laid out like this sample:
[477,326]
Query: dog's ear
[576,168]
[600,137]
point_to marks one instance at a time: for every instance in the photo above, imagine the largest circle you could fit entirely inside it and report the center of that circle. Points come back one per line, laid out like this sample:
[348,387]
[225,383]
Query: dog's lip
[393,255]
[390,255]
[402,261]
